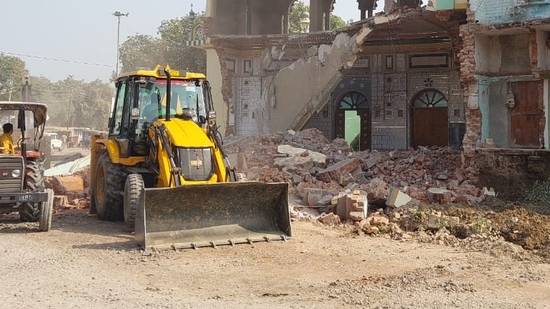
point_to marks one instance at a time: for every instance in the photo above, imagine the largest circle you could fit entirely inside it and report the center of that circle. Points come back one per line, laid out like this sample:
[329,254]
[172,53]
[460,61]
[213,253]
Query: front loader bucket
[193,216]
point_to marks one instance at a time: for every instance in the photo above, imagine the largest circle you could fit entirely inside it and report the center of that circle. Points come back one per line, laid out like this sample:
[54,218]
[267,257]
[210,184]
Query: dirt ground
[85,263]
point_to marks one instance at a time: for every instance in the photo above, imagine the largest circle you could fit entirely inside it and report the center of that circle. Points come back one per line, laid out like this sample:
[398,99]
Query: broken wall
[505,11]
[253,17]
[389,93]
[279,82]
[297,91]
[502,54]
[512,172]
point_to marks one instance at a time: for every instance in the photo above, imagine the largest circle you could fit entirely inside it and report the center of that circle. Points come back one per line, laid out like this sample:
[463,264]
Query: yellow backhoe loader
[162,169]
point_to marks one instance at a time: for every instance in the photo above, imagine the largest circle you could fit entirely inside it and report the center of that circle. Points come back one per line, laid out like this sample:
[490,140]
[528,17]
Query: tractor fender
[112,149]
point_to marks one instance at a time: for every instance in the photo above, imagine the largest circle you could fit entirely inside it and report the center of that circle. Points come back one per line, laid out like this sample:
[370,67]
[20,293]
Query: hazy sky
[56,38]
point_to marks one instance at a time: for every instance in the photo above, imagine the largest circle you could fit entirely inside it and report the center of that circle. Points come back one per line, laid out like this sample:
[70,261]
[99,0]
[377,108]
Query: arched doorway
[353,120]
[429,119]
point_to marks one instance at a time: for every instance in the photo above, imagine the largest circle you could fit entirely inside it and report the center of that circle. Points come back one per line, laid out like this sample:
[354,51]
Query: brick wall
[470,93]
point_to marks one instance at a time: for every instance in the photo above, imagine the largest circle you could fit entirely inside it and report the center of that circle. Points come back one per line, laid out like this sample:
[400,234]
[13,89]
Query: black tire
[45,223]
[132,194]
[109,189]
[34,182]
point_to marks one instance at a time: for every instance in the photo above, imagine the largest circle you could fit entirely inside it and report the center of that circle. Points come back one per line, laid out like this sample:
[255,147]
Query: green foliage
[140,51]
[12,71]
[300,11]
[169,47]
[539,193]
[336,22]
[74,103]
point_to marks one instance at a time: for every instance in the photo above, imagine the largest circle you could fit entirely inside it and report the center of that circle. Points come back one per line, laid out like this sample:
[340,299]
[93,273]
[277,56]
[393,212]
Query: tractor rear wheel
[34,182]
[109,189]
[133,190]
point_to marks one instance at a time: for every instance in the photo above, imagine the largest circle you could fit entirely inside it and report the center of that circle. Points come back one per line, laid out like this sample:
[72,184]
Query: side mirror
[202,119]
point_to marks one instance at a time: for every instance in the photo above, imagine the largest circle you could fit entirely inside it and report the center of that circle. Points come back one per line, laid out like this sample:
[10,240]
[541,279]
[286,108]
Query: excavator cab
[162,169]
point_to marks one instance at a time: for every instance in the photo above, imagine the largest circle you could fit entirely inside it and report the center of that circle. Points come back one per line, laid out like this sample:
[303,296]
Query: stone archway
[353,120]
[429,119]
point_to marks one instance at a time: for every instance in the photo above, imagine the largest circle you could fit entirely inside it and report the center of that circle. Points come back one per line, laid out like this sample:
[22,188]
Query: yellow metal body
[210,212]
[182,133]
[186,133]
[158,73]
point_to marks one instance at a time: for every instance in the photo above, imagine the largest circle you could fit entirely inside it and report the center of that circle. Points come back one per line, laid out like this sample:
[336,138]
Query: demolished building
[504,75]
[466,74]
[390,80]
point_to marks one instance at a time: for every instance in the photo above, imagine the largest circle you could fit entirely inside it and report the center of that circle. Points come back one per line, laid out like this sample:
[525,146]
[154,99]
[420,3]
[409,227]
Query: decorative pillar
[366,6]
[316,15]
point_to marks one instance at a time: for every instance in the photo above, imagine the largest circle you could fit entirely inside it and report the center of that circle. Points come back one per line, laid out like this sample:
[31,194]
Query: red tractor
[22,187]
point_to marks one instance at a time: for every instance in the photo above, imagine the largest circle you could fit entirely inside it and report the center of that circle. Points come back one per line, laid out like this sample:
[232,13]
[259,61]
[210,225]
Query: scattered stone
[338,170]
[378,220]
[330,219]
[438,195]
[60,200]
[437,222]
[396,198]
[62,185]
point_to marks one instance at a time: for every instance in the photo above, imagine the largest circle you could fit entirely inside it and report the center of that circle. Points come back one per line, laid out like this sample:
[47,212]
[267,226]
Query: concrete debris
[71,191]
[438,195]
[324,175]
[77,163]
[61,185]
[396,198]
[330,219]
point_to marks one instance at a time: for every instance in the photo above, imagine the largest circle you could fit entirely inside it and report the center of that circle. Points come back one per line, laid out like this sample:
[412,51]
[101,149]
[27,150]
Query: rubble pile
[71,191]
[311,163]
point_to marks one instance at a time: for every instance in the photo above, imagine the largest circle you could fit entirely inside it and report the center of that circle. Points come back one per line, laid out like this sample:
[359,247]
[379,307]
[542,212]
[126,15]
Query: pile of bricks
[310,163]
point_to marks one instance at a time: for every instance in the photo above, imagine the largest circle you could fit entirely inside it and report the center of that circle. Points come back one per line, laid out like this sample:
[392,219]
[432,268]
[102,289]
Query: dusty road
[84,263]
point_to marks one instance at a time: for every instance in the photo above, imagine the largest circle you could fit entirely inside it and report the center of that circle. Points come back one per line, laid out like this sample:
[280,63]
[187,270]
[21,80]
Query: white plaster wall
[495,54]
[249,90]
[488,53]
[481,52]
[546,103]
[214,76]
[303,87]
[543,52]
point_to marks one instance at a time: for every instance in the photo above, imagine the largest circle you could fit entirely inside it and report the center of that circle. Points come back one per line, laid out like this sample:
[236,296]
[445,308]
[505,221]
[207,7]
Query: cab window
[118,108]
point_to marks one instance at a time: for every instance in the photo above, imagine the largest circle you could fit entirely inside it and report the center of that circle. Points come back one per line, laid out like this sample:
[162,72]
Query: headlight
[15,173]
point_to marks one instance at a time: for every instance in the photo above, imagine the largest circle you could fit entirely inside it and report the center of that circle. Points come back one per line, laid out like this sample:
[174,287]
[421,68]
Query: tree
[74,103]
[140,51]
[12,70]
[336,22]
[170,47]
[300,11]
[174,34]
